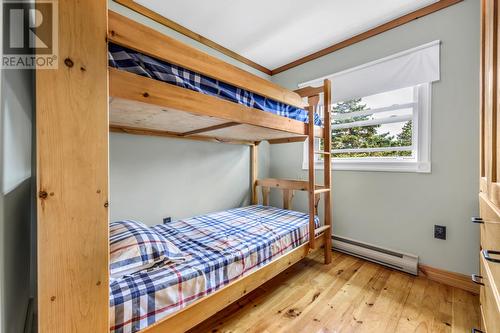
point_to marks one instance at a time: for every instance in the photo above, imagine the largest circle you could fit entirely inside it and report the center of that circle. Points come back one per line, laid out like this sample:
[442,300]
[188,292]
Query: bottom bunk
[220,250]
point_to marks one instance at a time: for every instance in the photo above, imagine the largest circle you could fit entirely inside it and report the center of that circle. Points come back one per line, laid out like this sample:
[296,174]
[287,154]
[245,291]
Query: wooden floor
[350,295]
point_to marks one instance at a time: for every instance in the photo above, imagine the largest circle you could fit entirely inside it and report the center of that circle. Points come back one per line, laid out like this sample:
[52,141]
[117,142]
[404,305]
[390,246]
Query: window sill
[376,165]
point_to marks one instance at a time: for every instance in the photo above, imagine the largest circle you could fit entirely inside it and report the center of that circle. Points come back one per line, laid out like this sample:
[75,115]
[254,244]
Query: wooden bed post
[314,193]
[254,172]
[72,175]
[327,93]
[313,102]
[287,198]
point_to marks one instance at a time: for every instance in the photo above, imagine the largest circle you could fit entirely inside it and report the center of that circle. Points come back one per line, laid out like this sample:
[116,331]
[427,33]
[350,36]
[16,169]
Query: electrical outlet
[440,232]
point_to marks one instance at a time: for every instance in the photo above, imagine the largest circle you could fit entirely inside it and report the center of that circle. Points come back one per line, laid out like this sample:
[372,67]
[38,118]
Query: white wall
[152,178]
[399,210]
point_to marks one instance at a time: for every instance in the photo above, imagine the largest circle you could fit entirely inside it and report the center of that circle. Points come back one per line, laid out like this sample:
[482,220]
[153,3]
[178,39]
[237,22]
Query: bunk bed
[162,87]
[155,85]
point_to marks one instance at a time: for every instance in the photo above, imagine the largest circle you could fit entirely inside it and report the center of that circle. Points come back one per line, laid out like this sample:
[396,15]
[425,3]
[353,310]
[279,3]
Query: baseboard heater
[398,260]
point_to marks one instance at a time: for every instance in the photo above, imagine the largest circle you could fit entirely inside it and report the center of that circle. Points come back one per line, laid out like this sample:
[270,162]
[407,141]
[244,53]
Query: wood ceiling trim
[191,34]
[370,33]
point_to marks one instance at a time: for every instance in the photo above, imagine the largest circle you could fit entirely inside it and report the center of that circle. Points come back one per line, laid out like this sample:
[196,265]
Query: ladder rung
[322,190]
[321,229]
[322,152]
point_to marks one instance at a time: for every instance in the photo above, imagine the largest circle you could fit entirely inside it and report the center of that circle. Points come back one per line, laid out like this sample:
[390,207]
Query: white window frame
[420,162]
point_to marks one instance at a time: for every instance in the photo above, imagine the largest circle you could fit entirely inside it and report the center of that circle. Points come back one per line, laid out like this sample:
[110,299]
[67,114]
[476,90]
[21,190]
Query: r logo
[28,28]
[30,31]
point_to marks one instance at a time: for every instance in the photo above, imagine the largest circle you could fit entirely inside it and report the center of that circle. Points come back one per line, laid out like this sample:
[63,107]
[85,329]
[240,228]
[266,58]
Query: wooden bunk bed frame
[147,106]
[139,105]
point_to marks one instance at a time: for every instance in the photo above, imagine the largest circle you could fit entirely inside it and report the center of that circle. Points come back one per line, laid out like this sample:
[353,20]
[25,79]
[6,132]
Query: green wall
[394,210]
[399,210]
[16,212]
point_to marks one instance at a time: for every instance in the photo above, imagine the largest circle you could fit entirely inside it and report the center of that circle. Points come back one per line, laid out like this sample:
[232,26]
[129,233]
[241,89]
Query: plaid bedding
[219,248]
[133,247]
[138,63]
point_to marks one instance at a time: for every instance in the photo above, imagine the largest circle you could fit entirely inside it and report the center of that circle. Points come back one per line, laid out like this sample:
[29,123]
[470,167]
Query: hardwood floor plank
[349,295]
[306,311]
[288,300]
[386,310]
[442,298]
[412,315]
[427,309]
[336,301]
[465,311]
[294,300]
[363,308]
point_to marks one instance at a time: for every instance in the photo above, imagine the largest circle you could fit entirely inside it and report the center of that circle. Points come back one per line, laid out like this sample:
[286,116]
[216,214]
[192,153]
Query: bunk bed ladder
[316,191]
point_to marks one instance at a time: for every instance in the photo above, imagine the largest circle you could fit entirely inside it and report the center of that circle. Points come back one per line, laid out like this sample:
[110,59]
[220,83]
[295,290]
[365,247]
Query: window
[381,112]
[388,131]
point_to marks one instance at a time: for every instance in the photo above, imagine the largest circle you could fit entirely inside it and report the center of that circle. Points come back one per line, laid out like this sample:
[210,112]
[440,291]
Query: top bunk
[160,86]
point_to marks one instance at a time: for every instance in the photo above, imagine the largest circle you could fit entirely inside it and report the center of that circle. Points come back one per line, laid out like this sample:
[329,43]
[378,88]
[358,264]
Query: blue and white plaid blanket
[138,63]
[219,248]
[134,247]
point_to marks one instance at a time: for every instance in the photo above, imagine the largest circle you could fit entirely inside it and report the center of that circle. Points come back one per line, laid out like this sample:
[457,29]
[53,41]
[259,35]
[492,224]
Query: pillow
[133,247]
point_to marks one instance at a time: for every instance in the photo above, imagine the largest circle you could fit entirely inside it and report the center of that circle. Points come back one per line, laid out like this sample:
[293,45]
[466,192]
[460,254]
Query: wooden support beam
[210,128]
[289,184]
[317,198]
[166,134]
[254,172]
[327,159]
[322,229]
[287,198]
[288,140]
[72,174]
[313,101]
[309,91]
[133,87]
[370,33]
[265,195]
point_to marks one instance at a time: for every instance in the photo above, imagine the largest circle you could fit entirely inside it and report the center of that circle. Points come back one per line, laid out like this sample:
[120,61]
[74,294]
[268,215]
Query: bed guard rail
[288,186]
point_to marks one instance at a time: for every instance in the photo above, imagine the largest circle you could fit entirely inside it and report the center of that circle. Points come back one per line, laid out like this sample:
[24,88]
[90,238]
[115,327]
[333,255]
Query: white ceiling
[275,32]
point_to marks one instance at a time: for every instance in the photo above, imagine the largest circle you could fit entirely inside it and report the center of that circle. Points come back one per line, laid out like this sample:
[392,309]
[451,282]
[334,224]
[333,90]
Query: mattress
[135,62]
[220,248]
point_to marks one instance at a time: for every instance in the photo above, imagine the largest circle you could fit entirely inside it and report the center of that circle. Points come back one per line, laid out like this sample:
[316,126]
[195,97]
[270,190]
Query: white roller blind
[408,68]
